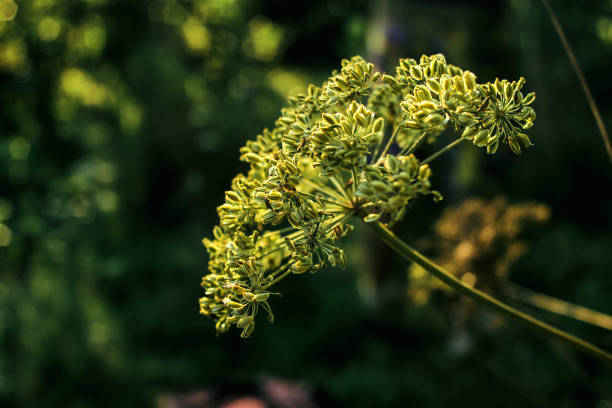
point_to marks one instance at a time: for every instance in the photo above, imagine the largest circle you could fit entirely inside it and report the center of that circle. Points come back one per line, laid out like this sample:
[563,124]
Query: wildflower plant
[345,151]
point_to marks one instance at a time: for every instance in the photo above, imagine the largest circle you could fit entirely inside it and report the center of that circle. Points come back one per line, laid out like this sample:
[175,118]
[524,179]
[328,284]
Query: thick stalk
[413,255]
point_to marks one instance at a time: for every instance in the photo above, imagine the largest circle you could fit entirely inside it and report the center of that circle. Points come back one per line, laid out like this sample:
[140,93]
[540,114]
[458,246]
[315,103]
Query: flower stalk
[442,151]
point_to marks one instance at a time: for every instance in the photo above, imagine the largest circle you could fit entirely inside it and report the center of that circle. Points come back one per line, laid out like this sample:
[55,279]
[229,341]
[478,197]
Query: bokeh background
[120,123]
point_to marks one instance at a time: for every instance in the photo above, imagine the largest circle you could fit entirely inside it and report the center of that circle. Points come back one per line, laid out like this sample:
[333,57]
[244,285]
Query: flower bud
[470,132]
[434,85]
[416,72]
[232,304]
[372,218]
[378,125]
[529,98]
[262,297]
[469,80]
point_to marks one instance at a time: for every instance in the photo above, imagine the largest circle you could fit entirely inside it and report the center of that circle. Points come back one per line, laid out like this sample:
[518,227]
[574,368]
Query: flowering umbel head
[328,159]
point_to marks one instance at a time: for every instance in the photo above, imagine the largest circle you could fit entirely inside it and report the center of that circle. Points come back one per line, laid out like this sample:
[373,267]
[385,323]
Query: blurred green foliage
[120,123]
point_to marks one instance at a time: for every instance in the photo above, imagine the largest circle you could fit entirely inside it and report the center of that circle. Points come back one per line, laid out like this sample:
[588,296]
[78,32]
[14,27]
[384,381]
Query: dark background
[120,124]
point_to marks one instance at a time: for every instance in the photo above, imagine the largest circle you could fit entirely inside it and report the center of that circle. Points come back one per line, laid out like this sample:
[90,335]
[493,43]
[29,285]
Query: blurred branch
[558,306]
[414,256]
[581,78]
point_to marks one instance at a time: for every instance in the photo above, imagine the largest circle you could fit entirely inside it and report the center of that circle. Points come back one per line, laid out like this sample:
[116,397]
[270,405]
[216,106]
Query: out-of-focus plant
[328,159]
[81,88]
[477,240]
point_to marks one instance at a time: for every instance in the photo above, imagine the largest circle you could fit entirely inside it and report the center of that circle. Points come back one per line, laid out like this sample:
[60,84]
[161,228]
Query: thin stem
[338,221]
[278,248]
[338,185]
[558,306]
[389,142]
[581,78]
[354,180]
[323,189]
[279,231]
[294,235]
[277,279]
[312,196]
[413,146]
[442,151]
[341,217]
[412,255]
[377,148]
[279,270]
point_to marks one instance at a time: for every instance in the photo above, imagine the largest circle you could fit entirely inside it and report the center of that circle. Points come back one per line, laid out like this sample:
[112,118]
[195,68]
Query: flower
[327,159]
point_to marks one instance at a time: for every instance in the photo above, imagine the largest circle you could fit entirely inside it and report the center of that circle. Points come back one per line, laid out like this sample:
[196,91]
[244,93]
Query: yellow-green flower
[342,150]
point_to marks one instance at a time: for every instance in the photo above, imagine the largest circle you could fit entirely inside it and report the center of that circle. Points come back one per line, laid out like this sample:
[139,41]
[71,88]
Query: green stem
[314,197]
[278,231]
[414,256]
[411,148]
[558,306]
[389,142]
[277,279]
[338,185]
[581,78]
[323,189]
[442,151]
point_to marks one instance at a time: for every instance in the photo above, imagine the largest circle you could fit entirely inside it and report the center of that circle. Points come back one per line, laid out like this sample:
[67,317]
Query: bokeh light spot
[604,29]
[287,83]
[19,148]
[5,235]
[88,39]
[13,55]
[49,29]
[130,116]
[107,200]
[8,10]
[264,39]
[6,209]
[196,35]
[80,86]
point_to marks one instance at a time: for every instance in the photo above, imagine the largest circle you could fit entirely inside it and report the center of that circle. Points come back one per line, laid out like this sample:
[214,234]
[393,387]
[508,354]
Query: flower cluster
[342,150]
[503,115]
[389,188]
[436,95]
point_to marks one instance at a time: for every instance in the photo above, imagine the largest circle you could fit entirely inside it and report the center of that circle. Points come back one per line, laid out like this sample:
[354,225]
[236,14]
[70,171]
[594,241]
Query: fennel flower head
[344,150]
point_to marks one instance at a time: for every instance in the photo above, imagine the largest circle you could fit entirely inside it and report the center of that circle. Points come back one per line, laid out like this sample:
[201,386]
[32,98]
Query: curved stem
[581,78]
[413,255]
